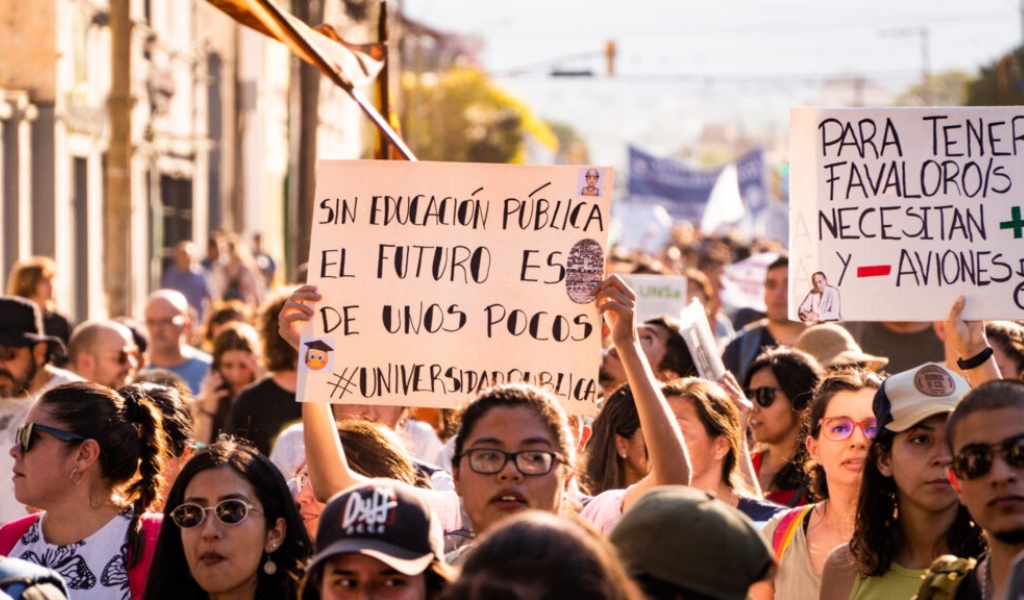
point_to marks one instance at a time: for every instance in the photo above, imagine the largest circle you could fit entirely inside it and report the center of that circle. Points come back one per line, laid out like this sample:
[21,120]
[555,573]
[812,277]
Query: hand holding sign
[296,313]
[616,303]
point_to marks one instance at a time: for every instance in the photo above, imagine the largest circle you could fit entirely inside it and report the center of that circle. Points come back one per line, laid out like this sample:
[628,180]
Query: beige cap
[905,399]
[833,346]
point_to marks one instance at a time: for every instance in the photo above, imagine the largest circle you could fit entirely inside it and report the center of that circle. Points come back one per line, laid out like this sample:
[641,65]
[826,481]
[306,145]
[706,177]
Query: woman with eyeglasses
[91,460]
[231,530]
[839,425]
[908,513]
[514,450]
[780,383]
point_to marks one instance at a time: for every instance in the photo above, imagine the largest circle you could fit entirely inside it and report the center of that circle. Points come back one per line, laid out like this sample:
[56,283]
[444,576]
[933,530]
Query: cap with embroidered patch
[905,399]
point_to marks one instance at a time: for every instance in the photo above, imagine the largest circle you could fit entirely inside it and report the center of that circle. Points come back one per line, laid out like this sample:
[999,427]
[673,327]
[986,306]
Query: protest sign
[657,295]
[696,332]
[896,212]
[441,279]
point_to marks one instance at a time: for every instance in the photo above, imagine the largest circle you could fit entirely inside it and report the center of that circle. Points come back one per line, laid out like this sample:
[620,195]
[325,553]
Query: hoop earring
[80,476]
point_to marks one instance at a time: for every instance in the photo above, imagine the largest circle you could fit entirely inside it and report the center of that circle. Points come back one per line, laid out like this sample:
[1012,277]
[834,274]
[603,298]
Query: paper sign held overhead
[896,212]
[441,279]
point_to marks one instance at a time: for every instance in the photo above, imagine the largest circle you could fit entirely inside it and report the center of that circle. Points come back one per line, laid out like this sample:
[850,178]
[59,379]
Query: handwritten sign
[442,279]
[896,212]
[657,295]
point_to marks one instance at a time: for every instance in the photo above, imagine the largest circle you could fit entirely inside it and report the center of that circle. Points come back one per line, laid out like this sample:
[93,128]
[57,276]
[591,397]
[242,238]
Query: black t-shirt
[260,412]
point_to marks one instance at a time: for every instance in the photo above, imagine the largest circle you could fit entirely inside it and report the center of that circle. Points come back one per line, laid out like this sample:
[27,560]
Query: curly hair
[798,374]
[850,379]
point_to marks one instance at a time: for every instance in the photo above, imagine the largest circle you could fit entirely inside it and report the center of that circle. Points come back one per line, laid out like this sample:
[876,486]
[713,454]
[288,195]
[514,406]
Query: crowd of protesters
[166,456]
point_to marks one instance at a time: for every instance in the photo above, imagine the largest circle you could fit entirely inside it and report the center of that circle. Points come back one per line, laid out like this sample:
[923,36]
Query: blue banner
[684,190]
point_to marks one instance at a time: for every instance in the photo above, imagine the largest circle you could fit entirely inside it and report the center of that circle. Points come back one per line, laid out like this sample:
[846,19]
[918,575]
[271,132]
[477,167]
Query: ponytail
[129,431]
[154,447]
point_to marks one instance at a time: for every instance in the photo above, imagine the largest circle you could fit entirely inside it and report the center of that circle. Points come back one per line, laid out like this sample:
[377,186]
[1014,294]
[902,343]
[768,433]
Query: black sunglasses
[486,461]
[230,512]
[764,395]
[976,460]
[26,431]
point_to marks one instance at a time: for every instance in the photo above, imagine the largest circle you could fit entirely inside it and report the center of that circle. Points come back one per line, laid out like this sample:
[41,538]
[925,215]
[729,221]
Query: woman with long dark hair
[231,530]
[91,460]
[908,513]
[780,383]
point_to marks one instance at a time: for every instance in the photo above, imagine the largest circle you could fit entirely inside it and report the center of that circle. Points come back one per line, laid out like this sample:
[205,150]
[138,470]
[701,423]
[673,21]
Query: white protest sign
[696,332]
[896,212]
[441,279]
[657,295]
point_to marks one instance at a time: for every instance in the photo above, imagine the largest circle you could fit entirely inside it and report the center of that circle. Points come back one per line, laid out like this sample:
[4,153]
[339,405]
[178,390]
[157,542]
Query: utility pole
[117,239]
[926,69]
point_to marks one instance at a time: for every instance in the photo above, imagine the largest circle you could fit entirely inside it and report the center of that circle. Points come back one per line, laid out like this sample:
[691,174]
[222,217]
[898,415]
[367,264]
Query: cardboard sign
[657,295]
[896,212]
[442,279]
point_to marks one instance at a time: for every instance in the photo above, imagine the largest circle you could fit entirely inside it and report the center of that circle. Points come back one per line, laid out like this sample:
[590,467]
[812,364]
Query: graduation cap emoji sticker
[316,355]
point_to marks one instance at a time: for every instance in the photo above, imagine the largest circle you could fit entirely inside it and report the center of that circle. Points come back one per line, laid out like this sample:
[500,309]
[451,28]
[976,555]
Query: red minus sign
[874,271]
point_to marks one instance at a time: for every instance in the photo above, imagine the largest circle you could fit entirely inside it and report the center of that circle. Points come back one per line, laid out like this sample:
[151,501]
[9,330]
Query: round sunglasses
[764,395]
[975,460]
[230,512]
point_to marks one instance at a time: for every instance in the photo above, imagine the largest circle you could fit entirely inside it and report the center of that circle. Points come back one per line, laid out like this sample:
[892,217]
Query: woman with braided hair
[91,460]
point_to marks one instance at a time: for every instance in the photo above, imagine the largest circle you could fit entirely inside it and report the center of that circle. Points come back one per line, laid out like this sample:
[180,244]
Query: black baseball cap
[383,519]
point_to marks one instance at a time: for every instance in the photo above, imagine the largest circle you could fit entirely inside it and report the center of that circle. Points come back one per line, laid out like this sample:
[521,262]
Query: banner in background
[684,190]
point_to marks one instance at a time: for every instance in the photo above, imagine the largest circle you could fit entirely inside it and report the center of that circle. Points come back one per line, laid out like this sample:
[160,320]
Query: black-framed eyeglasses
[231,511]
[487,461]
[764,395]
[975,460]
[838,429]
[25,434]
[125,355]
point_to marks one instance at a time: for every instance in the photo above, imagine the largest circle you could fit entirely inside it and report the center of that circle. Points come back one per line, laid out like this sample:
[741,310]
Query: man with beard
[25,373]
[103,352]
[986,436]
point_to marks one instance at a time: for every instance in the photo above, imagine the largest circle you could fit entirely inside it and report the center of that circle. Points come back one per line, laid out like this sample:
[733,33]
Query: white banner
[441,279]
[896,212]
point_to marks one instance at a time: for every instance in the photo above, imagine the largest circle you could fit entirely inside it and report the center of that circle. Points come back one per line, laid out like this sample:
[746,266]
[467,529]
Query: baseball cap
[383,519]
[905,399]
[690,539]
[21,324]
[833,346]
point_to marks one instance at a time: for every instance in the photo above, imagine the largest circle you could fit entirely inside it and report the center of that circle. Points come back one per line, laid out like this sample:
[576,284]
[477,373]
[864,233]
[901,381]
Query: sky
[682,64]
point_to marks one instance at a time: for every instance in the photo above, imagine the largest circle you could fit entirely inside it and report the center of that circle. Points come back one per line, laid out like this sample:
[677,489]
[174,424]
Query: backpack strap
[12,532]
[944,577]
[137,574]
[788,525]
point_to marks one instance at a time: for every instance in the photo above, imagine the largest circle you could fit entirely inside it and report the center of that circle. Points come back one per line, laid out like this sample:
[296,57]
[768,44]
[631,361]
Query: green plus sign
[1015,223]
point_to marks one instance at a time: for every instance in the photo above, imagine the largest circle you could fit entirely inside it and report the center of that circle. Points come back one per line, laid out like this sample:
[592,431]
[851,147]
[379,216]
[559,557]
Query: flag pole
[334,73]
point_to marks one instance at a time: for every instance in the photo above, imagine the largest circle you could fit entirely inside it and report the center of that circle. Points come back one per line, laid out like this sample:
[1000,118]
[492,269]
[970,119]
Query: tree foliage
[1000,83]
[460,115]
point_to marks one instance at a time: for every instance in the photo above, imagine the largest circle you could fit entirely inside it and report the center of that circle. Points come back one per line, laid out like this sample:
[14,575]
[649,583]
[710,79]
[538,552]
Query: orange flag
[353,64]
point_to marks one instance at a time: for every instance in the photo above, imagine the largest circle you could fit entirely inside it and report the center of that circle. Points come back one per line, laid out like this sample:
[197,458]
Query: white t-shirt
[93,568]
[12,416]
